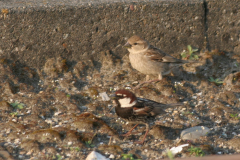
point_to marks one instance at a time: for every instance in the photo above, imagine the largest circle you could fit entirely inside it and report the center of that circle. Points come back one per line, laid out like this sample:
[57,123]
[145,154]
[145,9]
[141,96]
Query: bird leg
[160,76]
[149,81]
[129,132]
[110,141]
[147,130]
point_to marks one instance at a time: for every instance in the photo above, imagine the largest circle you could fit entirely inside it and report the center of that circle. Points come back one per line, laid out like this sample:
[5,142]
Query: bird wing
[145,111]
[158,55]
[144,107]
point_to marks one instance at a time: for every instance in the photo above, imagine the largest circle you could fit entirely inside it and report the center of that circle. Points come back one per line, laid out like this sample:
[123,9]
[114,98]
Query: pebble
[178,149]
[112,156]
[104,96]
[135,82]
[183,109]
[194,132]
[95,155]
[199,94]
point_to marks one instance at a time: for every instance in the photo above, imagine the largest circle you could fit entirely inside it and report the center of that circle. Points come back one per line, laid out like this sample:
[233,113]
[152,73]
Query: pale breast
[146,66]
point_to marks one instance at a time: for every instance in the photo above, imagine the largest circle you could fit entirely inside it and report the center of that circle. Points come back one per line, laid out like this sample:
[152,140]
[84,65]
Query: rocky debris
[178,149]
[63,110]
[104,96]
[5,155]
[194,132]
[109,150]
[95,155]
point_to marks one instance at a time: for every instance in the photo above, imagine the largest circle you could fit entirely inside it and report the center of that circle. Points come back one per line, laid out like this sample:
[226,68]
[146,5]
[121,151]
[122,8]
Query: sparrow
[138,110]
[148,59]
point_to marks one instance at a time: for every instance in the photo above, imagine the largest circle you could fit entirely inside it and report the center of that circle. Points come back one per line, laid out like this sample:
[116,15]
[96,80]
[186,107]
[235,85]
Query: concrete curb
[32,31]
[223,25]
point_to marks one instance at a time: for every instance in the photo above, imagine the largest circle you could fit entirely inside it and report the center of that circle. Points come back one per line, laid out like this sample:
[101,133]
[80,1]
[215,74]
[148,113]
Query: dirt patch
[56,112]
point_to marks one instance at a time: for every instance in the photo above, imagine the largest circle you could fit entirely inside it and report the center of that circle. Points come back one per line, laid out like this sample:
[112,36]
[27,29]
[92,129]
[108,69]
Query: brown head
[136,44]
[125,98]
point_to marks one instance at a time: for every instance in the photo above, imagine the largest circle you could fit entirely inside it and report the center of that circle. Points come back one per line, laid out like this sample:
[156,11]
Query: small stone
[135,82]
[175,112]
[111,156]
[178,149]
[17,140]
[104,96]
[95,155]
[29,152]
[65,36]
[183,109]
[6,155]
[199,94]
[194,132]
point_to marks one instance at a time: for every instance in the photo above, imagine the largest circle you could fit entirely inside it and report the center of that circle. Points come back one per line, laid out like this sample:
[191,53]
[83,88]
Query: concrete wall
[33,31]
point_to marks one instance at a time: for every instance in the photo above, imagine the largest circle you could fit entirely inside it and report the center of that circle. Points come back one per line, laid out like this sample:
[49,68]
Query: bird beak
[127,45]
[112,96]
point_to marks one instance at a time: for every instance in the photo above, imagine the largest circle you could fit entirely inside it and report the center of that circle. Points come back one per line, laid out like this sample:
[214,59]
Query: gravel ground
[56,112]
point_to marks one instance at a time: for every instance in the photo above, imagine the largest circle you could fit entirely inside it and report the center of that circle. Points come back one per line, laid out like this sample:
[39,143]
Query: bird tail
[175,104]
[161,110]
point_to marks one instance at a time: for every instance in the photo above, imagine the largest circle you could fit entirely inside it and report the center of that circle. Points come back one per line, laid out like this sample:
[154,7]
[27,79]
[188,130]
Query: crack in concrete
[206,40]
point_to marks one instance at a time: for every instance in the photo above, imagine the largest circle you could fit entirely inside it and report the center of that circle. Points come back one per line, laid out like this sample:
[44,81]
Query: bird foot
[151,81]
[128,134]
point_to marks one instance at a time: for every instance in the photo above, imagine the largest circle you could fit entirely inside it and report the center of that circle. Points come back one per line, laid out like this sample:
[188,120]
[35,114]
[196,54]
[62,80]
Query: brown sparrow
[148,59]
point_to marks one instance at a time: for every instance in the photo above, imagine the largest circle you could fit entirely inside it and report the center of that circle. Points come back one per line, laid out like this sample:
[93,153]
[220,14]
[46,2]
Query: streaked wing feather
[155,54]
[152,108]
[143,108]
[158,55]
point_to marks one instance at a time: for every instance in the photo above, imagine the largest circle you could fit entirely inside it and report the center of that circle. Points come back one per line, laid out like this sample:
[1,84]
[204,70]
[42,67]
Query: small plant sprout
[17,105]
[59,157]
[235,116]
[14,114]
[89,144]
[197,151]
[217,81]
[189,54]
[170,154]
[75,149]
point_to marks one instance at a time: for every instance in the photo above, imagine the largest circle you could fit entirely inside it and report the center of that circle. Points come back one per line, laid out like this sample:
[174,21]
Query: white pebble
[112,156]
